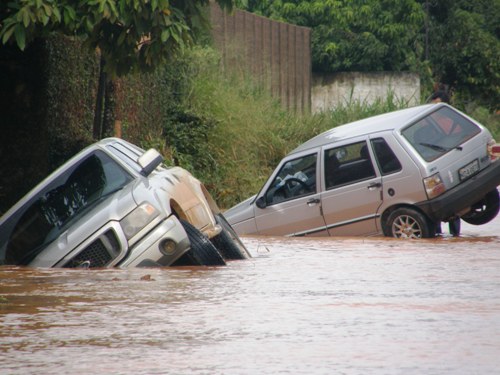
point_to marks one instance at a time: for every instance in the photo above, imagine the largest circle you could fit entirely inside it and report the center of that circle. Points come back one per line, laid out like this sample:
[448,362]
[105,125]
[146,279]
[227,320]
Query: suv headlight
[138,219]
[434,186]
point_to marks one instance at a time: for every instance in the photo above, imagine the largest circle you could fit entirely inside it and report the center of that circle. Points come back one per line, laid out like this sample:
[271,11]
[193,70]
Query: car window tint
[348,164]
[51,212]
[296,178]
[440,132]
[386,159]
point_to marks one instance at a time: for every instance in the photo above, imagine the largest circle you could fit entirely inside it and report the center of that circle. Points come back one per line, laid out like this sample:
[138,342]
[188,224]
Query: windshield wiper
[435,147]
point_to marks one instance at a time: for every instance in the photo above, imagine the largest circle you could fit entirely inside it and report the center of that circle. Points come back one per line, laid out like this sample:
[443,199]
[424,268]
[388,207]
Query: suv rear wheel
[409,223]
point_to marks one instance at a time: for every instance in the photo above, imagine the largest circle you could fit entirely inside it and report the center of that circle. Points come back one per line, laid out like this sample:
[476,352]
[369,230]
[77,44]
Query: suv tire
[228,243]
[202,251]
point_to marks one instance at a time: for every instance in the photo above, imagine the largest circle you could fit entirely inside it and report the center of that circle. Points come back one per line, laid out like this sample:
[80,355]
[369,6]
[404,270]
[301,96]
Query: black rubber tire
[227,247]
[202,251]
[228,242]
[485,210]
[408,223]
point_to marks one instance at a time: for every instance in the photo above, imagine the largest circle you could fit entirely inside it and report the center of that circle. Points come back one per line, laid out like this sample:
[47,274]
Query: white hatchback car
[397,174]
[115,205]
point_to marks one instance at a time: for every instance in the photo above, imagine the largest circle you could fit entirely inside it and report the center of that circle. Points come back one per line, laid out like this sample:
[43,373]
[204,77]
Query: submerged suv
[397,174]
[115,205]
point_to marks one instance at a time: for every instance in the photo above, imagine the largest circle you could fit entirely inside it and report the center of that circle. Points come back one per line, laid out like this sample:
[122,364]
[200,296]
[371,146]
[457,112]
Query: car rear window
[439,133]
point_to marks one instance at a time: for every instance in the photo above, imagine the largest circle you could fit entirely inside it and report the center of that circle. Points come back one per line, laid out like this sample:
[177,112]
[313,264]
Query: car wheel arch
[389,210]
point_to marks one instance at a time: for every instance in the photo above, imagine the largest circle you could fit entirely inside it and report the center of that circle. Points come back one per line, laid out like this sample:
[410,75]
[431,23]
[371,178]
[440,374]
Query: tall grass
[248,131]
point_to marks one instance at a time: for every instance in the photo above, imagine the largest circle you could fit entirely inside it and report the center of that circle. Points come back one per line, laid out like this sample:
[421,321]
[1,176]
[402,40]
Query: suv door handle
[313,201]
[374,185]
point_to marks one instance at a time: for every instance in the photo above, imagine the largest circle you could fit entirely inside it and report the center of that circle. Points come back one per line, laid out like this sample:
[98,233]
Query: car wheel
[202,251]
[228,243]
[485,210]
[409,223]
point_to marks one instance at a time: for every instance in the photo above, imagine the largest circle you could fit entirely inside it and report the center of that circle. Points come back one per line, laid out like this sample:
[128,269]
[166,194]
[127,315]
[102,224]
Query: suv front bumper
[463,196]
[147,253]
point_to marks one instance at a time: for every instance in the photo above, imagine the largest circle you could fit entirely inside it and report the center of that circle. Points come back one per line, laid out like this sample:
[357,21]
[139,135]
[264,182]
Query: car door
[290,202]
[352,189]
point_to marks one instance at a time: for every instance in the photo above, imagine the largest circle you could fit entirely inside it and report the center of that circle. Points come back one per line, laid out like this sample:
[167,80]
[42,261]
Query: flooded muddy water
[300,306]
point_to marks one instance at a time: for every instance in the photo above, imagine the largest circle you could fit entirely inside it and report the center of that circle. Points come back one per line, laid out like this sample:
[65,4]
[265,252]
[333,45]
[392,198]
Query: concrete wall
[276,54]
[331,90]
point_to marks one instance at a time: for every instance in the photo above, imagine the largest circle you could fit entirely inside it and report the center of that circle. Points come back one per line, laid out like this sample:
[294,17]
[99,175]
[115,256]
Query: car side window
[348,164]
[297,178]
[386,159]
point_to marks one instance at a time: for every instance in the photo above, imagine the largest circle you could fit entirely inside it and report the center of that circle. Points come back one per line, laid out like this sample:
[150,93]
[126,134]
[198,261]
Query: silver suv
[115,205]
[397,174]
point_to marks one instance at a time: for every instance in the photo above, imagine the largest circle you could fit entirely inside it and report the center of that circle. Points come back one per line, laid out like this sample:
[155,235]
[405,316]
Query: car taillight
[493,149]
[434,186]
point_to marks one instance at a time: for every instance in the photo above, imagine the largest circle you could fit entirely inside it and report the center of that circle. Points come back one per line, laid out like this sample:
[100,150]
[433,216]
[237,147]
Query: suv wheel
[202,251]
[227,242]
[485,210]
[409,223]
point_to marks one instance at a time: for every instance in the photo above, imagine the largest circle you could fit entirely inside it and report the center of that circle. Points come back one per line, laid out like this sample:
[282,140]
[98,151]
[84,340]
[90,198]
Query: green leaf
[165,34]
[20,37]
[8,33]
[57,14]
[25,16]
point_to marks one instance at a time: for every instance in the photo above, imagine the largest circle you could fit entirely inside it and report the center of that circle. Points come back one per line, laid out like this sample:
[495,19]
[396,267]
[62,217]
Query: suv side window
[386,159]
[348,164]
[297,178]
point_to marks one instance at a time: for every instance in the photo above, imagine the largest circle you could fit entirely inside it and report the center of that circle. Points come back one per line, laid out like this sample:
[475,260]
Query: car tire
[228,243]
[202,251]
[409,223]
[485,210]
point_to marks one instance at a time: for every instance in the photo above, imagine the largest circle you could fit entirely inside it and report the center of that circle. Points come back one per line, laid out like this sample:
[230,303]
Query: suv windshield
[439,132]
[50,212]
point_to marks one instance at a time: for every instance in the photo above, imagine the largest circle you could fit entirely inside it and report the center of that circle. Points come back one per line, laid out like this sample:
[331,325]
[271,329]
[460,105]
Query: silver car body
[442,180]
[113,203]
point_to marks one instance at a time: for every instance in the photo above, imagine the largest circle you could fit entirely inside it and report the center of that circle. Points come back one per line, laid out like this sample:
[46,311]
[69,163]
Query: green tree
[355,35]
[464,47]
[130,34]
[454,41]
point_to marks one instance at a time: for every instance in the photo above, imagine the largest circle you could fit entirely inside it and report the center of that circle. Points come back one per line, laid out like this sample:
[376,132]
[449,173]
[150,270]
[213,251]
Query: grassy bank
[231,134]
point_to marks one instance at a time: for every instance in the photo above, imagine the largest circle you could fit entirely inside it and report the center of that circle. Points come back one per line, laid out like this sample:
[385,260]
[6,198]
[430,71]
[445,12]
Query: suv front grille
[98,254]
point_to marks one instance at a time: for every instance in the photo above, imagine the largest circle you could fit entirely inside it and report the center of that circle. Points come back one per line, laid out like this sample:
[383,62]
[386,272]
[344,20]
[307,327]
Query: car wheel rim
[405,226]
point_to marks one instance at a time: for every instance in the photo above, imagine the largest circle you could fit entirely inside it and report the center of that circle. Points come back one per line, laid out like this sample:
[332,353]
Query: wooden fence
[277,54]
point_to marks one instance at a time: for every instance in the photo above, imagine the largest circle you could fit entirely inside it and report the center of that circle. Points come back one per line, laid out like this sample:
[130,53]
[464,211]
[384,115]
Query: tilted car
[397,174]
[115,205]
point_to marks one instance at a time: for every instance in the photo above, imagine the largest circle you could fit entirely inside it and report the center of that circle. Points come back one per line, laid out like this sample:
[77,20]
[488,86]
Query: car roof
[388,121]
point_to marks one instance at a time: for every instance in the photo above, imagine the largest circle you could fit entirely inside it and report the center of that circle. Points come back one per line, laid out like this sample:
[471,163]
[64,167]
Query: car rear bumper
[463,196]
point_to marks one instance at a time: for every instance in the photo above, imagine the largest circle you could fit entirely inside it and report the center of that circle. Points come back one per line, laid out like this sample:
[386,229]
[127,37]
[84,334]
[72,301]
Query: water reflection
[300,306]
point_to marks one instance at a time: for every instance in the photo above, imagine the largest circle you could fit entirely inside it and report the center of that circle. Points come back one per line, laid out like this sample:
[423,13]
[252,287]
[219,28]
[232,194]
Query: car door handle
[313,201]
[374,185]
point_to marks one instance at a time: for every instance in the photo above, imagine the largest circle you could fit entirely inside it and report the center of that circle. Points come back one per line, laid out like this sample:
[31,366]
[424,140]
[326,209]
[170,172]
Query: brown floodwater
[299,306]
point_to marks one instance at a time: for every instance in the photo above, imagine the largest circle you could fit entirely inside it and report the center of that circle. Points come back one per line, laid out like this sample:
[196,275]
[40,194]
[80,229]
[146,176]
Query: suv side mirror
[261,202]
[149,161]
